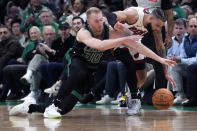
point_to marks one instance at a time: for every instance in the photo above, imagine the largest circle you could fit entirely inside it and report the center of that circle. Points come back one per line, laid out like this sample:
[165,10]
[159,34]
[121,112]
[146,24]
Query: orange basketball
[163,99]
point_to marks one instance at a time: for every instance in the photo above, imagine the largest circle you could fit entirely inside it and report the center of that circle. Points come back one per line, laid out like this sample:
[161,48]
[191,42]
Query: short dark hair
[180,21]
[4,26]
[159,14]
[77,17]
[16,20]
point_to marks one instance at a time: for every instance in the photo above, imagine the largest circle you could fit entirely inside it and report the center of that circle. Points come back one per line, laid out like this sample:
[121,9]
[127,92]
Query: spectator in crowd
[17,68]
[42,54]
[67,41]
[179,32]
[77,23]
[79,8]
[187,57]
[7,21]
[178,12]
[13,12]
[191,15]
[191,69]
[9,48]
[191,85]
[46,18]
[55,6]
[31,14]
[15,28]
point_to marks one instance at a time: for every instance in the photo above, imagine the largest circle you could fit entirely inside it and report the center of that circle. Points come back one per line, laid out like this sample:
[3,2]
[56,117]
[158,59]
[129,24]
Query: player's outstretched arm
[147,52]
[85,37]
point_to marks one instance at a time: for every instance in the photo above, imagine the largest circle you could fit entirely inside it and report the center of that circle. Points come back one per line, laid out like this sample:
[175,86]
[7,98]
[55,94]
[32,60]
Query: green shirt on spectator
[30,12]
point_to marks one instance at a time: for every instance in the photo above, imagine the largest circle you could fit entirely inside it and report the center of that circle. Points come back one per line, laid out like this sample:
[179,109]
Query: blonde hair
[92,10]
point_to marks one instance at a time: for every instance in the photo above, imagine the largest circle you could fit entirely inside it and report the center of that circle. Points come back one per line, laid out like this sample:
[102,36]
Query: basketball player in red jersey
[138,21]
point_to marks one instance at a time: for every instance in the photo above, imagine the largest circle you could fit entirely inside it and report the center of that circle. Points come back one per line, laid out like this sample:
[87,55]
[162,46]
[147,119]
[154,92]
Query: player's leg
[70,90]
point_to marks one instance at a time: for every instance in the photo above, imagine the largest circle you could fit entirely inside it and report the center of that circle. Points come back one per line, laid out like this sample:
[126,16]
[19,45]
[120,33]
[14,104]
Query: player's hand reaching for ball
[167,62]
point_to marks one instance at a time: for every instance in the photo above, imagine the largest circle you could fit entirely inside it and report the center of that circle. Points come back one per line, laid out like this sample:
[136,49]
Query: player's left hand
[170,79]
[168,62]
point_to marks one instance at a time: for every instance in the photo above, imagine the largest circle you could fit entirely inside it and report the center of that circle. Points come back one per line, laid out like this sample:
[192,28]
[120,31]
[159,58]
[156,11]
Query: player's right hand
[119,27]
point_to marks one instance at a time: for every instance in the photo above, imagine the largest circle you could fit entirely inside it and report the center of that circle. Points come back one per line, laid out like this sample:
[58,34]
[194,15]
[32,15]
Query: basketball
[162,99]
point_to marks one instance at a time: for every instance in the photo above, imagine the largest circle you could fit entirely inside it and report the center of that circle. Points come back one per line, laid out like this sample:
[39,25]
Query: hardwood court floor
[103,118]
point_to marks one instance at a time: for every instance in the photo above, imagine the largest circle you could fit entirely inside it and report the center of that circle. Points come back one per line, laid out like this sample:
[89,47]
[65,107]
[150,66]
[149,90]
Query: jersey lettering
[92,55]
[137,31]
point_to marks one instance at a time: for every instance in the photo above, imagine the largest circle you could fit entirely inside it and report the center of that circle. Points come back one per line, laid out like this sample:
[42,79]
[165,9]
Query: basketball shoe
[122,102]
[54,89]
[105,100]
[51,112]
[21,109]
[134,105]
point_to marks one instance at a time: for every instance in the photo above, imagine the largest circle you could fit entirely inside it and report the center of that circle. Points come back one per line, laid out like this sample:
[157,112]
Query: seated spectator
[9,48]
[187,57]
[16,68]
[179,32]
[31,14]
[177,10]
[191,86]
[77,23]
[192,72]
[79,8]
[15,28]
[176,50]
[43,52]
[46,18]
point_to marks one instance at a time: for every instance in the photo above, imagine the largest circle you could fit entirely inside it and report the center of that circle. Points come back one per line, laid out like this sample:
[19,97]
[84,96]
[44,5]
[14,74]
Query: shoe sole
[53,117]
[11,111]
[137,114]
[16,114]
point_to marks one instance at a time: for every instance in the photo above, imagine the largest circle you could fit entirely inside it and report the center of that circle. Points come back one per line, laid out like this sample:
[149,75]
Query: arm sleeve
[188,61]
[111,17]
